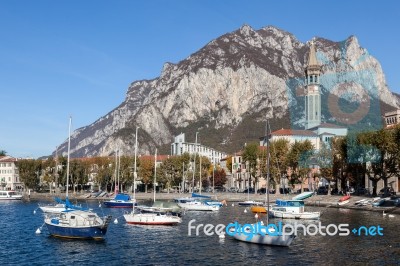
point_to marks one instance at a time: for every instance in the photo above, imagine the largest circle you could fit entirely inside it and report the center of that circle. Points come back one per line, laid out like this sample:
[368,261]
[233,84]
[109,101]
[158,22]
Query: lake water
[140,245]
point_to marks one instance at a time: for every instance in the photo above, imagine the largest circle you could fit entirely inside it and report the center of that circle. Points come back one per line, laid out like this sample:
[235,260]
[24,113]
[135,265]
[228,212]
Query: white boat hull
[151,219]
[198,207]
[292,215]
[283,240]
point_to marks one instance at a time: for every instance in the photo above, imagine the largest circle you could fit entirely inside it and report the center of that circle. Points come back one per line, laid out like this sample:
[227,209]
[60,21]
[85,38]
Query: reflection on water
[130,244]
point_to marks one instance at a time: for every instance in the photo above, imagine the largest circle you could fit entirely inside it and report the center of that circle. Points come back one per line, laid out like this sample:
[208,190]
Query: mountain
[226,90]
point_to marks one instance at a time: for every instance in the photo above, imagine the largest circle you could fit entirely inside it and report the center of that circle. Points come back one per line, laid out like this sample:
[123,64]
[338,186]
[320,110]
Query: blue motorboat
[120,201]
[77,224]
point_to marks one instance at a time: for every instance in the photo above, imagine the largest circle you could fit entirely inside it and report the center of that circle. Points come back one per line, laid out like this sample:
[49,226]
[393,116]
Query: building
[9,176]
[180,146]
[312,99]
[392,118]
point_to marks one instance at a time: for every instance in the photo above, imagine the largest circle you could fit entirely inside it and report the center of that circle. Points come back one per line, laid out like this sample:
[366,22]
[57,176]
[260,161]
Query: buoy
[233,205]
[116,221]
[100,205]
[34,212]
[256,216]
[38,231]
[245,211]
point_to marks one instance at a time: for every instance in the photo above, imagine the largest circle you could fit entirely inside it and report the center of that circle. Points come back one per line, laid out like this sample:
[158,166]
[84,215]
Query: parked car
[304,190]
[322,191]
[389,191]
[284,190]
[233,189]
[248,190]
[220,189]
[336,191]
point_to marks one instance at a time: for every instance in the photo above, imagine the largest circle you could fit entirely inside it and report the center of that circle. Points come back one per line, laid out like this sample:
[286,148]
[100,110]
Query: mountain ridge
[234,80]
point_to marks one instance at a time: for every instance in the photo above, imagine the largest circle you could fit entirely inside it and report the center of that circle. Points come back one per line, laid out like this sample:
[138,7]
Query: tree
[29,172]
[278,162]
[146,171]
[325,162]
[220,177]
[3,153]
[298,159]
[250,156]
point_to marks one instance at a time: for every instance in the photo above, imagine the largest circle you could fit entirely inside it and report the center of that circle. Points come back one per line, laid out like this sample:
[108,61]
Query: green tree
[146,171]
[278,163]
[250,158]
[29,172]
[3,153]
[298,159]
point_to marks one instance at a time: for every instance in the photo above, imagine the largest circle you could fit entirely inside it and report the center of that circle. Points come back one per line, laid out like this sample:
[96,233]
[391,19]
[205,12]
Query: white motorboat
[292,209]
[263,236]
[193,204]
[61,206]
[10,195]
[151,218]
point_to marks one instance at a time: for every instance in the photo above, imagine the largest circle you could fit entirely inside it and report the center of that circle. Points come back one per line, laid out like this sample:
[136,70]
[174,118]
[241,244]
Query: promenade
[315,200]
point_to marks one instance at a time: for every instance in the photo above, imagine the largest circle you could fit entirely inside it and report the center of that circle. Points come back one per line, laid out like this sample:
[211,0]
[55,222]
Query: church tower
[312,90]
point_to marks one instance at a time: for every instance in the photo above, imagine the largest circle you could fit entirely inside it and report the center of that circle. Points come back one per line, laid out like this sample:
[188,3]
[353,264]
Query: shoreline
[329,201]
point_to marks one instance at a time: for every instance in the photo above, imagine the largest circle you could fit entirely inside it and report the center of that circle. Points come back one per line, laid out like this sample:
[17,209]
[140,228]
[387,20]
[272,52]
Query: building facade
[392,118]
[180,146]
[9,176]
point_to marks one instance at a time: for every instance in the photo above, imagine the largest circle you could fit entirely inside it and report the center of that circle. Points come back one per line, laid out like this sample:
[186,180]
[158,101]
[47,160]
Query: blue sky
[62,58]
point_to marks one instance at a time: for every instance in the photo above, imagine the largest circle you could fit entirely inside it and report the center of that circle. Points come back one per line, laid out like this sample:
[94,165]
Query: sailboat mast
[134,171]
[69,148]
[155,175]
[268,158]
[194,162]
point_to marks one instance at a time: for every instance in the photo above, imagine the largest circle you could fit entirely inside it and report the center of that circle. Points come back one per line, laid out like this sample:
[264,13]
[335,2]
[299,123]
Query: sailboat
[267,235]
[121,200]
[74,222]
[152,216]
[61,205]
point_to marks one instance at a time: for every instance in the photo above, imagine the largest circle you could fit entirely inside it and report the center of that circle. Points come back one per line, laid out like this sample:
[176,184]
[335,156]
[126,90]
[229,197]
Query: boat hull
[250,203]
[289,215]
[303,195]
[151,219]
[111,204]
[283,240]
[198,207]
[259,209]
[94,232]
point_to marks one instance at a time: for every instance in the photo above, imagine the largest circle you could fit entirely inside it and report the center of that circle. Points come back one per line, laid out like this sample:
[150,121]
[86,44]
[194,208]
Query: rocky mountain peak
[225,90]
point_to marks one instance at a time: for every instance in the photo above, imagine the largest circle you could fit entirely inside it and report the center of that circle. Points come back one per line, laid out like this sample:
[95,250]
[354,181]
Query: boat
[259,209]
[378,202]
[362,202]
[265,236]
[303,195]
[59,206]
[344,200]
[292,209]
[194,204]
[152,216]
[121,200]
[74,221]
[10,195]
[208,199]
[250,203]
[137,216]
[77,224]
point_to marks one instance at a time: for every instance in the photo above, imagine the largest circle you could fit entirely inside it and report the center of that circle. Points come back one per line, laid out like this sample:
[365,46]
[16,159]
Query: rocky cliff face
[227,89]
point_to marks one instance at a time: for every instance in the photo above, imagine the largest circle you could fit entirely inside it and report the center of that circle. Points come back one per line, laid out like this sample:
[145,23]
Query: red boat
[344,198]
